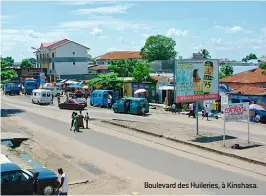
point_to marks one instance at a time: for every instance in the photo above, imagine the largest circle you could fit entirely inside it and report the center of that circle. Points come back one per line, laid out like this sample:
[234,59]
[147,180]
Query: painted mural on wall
[127,89]
[255,99]
[149,87]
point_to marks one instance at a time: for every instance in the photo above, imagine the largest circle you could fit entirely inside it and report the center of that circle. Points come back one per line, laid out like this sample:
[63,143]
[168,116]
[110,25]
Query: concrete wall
[68,49]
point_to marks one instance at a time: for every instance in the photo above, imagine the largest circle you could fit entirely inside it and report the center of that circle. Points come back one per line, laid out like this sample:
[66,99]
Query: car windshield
[28,172]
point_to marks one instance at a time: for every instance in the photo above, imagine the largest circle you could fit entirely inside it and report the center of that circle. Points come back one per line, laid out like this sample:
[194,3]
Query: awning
[76,86]
[166,88]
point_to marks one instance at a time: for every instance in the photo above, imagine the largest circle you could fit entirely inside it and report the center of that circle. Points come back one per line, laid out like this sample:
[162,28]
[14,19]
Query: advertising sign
[31,72]
[197,80]
[236,111]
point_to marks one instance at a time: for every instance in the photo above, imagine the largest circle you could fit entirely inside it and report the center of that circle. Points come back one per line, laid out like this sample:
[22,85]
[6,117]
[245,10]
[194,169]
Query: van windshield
[44,95]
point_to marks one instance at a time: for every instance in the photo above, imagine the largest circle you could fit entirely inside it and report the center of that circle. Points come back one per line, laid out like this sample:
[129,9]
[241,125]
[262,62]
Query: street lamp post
[36,50]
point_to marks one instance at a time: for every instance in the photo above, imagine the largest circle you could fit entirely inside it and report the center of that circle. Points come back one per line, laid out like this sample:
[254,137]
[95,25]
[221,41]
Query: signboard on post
[196,80]
[236,112]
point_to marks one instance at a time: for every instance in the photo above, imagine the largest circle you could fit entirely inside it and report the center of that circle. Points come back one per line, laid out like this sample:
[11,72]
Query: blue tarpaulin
[76,86]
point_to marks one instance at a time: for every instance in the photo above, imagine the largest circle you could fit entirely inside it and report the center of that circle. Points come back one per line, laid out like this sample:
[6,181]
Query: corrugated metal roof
[239,69]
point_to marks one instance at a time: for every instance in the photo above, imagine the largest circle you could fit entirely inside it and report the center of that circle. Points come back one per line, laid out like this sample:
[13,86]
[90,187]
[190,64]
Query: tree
[205,53]
[249,57]
[158,47]
[142,72]
[226,70]
[33,61]
[262,65]
[108,81]
[7,73]
[26,64]
[123,68]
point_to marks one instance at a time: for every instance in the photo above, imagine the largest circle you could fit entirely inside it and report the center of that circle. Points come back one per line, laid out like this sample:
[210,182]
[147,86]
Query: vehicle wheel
[25,93]
[48,189]
[18,93]
[256,120]
[60,107]
[91,103]
[9,93]
[115,110]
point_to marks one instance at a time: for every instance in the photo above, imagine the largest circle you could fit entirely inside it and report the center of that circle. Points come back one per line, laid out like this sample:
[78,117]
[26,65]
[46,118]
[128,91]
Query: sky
[226,29]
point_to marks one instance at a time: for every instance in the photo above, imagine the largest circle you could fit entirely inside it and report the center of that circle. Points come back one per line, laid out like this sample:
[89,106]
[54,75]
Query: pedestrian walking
[67,96]
[87,118]
[72,120]
[173,108]
[190,110]
[143,107]
[81,119]
[58,99]
[52,99]
[63,187]
[109,103]
[36,187]
[206,112]
[76,123]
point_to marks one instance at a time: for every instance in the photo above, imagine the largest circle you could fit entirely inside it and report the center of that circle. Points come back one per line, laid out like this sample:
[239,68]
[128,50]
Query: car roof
[100,91]
[9,167]
[41,90]
[135,98]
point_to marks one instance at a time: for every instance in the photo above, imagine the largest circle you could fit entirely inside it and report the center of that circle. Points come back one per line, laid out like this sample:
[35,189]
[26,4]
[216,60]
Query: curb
[190,144]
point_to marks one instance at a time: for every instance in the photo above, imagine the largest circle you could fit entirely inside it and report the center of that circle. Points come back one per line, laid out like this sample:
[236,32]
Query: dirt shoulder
[252,152]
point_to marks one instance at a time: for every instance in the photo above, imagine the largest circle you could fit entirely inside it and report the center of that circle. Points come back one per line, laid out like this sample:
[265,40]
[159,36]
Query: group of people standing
[77,121]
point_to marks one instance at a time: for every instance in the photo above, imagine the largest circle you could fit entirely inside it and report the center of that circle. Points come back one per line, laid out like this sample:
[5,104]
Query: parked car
[134,105]
[82,100]
[262,115]
[18,181]
[72,104]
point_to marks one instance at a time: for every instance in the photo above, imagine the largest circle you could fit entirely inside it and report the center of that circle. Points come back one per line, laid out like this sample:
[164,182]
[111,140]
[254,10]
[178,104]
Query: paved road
[174,166]
[237,129]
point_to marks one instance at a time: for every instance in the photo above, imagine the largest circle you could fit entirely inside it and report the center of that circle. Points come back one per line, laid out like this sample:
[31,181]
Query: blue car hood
[44,173]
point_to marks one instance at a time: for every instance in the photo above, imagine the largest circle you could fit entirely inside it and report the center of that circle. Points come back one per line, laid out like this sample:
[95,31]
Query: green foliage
[226,70]
[26,63]
[249,57]
[262,65]
[123,68]
[221,75]
[108,81]
[142,72]
[6,72]
[205,53]
[158,47]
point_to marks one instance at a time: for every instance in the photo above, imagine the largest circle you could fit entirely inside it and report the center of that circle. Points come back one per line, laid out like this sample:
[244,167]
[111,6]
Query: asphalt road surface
[237,129]
[174,166]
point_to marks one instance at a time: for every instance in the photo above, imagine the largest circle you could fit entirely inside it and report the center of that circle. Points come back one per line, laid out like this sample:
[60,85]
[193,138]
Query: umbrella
[140,91]
[255,107]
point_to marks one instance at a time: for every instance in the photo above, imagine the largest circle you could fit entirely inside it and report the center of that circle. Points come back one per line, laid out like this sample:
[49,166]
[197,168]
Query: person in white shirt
[206,112]
[63,188]
[174,108]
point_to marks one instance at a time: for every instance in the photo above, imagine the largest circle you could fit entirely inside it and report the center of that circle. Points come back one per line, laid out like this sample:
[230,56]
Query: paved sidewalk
[252,152]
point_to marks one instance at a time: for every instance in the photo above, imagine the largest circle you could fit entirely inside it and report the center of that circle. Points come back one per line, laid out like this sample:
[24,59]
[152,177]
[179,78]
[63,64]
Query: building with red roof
[64,58]
[117,55]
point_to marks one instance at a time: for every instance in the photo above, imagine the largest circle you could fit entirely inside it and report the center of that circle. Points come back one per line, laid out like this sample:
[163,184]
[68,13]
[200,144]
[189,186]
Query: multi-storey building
[64,59]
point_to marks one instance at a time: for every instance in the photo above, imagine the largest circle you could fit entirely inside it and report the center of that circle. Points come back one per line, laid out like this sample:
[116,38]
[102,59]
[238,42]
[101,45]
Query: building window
[74,63]
[73,53]
[53,55]
[52,66]
[109,63]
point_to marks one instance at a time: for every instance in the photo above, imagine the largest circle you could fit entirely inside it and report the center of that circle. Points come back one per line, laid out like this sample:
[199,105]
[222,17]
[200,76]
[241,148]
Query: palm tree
[205,53]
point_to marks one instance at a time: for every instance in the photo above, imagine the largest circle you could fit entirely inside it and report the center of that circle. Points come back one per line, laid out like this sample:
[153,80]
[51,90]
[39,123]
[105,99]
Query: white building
[65,59]
[117,55]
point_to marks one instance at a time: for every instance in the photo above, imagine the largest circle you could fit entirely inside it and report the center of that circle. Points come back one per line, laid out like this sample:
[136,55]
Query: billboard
[196,80]
[236,111]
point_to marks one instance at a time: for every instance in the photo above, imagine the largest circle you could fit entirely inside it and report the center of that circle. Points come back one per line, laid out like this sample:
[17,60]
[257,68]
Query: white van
[56,91]
[41,96]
